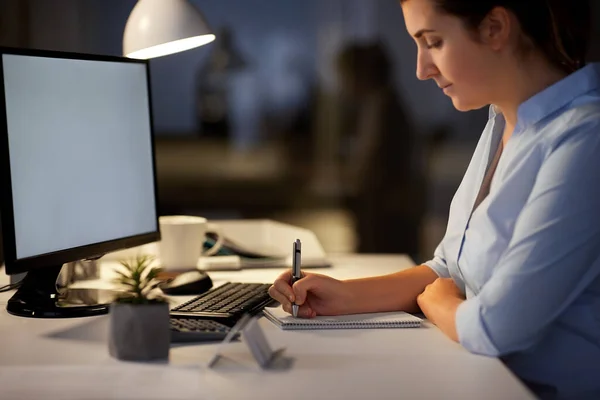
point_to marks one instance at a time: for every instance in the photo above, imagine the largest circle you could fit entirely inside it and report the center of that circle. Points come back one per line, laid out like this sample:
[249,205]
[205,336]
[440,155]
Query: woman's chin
[463,106]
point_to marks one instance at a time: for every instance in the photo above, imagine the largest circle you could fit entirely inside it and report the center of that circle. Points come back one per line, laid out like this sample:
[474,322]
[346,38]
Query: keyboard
[226,304]
[197,330]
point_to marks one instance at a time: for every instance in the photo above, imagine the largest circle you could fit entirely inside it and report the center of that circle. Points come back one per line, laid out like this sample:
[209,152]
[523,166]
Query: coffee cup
[182,241]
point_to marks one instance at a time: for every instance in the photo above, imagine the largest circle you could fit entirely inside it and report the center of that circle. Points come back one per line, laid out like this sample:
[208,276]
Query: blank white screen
[80,152]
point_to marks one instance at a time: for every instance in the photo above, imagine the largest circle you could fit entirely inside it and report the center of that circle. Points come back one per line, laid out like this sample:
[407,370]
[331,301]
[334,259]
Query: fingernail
[291,298]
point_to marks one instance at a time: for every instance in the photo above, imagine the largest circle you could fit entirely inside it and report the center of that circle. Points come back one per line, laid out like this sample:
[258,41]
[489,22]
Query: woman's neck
[524,83]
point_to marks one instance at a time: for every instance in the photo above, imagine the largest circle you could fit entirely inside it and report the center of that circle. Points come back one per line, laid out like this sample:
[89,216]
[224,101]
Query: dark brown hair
[559,28]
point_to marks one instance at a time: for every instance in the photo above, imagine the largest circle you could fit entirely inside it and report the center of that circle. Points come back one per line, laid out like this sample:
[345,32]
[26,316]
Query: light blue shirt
[528,258]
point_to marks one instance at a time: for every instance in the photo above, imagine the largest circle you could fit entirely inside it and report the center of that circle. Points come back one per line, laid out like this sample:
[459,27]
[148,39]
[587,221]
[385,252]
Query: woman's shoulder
[583,109]
[580,121]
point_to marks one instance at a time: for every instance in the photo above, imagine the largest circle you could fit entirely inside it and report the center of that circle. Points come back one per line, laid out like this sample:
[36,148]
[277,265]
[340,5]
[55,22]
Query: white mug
[182,241]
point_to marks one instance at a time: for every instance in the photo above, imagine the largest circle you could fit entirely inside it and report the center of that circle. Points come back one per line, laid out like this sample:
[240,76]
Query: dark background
[279,156]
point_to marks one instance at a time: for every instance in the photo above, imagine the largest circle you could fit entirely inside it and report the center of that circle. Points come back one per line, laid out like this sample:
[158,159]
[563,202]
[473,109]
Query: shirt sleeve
[438,262]
[553,255]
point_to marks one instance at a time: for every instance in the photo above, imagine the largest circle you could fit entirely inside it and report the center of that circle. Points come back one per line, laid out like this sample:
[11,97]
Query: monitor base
[38,297]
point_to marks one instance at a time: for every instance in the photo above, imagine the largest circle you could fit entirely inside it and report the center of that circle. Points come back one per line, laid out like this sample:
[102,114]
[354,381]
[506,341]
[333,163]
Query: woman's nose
[426,69]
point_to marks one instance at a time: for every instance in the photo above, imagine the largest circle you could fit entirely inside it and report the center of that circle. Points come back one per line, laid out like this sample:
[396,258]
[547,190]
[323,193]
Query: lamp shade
[157,28]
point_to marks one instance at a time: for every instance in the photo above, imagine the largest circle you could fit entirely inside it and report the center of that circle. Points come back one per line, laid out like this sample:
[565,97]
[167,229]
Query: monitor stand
[39,297]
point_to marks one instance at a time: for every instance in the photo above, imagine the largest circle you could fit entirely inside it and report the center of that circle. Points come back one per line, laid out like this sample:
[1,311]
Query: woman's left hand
[439,302]
[439,290]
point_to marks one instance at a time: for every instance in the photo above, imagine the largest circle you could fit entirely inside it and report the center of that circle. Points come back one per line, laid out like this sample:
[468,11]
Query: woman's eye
[434,45]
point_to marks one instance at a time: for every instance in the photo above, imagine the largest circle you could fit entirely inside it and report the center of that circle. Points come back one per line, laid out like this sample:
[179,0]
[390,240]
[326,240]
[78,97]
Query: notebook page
[397,319]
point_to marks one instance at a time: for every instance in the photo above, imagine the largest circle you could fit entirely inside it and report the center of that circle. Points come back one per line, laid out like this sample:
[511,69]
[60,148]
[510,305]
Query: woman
[517,274]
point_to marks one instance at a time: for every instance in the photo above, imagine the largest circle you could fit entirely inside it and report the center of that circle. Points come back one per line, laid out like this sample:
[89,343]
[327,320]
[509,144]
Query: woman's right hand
[316,294]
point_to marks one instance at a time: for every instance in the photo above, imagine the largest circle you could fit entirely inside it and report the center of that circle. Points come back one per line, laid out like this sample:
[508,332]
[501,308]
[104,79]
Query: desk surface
[69,359]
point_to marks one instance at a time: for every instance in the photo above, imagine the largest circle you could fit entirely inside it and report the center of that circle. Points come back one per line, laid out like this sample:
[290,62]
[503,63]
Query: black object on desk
[187,283]
[197,330]
[226,304]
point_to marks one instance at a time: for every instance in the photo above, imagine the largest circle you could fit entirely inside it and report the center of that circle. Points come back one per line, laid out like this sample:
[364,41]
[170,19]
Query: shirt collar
[556,96]
[493,112]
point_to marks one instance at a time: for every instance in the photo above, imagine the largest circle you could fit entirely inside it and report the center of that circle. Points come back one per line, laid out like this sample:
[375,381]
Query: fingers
[303,286]
[306,312]
[419,299]
[303,311]
[281,289]
[277,293]
[287,295]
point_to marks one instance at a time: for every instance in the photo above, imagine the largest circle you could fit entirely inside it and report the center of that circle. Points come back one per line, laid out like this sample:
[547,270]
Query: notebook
[397,319]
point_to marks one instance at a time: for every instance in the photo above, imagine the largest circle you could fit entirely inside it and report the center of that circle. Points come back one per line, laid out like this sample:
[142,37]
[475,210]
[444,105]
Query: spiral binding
[308,325]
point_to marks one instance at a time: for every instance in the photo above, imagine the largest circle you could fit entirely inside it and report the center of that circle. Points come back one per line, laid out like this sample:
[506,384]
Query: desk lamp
[157,28]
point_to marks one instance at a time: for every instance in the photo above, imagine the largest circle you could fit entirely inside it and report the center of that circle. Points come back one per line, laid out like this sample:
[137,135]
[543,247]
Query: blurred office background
[303,111]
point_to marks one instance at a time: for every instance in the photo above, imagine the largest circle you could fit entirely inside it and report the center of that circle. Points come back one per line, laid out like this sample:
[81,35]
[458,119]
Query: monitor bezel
[15,265]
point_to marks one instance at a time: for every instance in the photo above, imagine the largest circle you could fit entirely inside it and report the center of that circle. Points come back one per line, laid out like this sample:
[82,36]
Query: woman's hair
[559,28]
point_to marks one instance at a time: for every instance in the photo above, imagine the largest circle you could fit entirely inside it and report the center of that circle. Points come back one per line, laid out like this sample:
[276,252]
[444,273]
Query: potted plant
[139,318]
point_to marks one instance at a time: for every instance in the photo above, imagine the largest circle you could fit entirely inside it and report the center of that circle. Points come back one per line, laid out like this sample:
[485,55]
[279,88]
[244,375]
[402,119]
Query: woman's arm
[553,255]
[318,294]
[392,292]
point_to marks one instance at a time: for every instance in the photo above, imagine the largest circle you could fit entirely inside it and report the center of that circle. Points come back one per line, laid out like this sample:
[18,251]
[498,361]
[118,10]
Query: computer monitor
[78,171]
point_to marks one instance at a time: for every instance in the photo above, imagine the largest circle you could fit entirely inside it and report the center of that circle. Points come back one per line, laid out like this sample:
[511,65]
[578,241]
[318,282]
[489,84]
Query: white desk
[68,359]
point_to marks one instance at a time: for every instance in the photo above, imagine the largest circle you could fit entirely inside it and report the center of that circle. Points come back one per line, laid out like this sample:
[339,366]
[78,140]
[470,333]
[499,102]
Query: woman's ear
[498,28]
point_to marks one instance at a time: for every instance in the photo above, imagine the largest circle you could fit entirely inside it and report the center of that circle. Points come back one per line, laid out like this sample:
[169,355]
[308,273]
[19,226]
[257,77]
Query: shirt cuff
[472,333]
[438,268]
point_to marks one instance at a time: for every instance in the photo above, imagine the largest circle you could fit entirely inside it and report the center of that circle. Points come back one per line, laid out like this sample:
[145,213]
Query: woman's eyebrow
[422,31]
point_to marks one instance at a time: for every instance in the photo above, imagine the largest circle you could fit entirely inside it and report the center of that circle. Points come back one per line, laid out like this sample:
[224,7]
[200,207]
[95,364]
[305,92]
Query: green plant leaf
[140,280]
[121,273]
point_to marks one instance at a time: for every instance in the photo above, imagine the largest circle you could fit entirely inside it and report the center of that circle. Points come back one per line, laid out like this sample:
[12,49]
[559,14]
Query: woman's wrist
[350,298]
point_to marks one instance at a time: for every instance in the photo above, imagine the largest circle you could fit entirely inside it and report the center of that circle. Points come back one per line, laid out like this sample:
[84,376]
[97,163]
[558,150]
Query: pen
[296,273]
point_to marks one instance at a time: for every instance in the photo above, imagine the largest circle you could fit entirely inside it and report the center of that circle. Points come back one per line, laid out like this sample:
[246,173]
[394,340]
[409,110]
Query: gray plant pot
[139,332]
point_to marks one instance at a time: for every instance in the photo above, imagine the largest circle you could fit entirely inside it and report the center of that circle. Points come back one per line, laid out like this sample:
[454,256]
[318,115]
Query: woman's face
[450,55]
